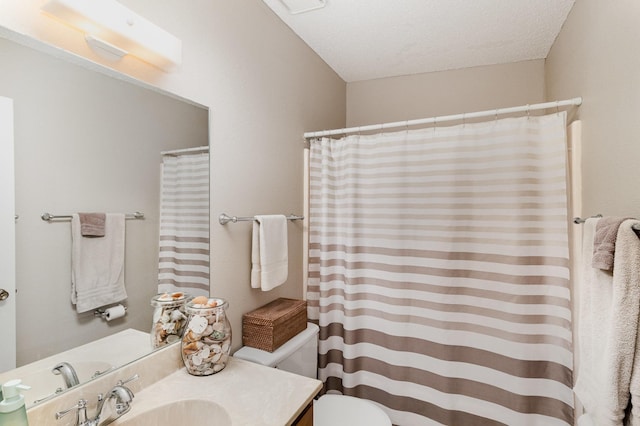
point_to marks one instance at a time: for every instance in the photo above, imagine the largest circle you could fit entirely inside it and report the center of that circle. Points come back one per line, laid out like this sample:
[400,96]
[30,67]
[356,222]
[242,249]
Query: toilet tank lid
[271,359]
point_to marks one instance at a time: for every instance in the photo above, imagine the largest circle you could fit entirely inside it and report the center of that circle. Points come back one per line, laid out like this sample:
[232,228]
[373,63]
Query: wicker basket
[271,325]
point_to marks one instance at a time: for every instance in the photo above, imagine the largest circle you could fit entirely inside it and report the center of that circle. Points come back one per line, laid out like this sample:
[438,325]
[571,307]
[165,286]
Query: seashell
[225,347]
[205,352]
[198,324]
[165,317]
[212,303]
[189,351]
[216,357]
[189,336]
[191,347]
[218,326]
[176,315]
[200,300]
[216,348]
[177,295]
[208,330]
[196,360]
[218,335]
[172,338]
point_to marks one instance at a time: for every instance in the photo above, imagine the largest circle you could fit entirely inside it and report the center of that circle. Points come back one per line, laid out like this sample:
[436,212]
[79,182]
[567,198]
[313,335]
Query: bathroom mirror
[85,141]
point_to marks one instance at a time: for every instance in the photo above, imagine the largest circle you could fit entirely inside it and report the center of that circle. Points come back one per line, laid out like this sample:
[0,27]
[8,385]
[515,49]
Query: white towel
[626,273]
[97,265]
[608,327]
[585,420]
[269,252]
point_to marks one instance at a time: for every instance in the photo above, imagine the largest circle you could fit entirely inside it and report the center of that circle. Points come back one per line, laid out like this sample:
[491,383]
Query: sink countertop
[251,394]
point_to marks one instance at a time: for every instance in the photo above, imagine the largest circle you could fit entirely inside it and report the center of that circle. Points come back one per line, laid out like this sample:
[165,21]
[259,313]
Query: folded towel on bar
[269,252]
[604,242]
[626,274]
[92,224]
[609,305]
[97,265]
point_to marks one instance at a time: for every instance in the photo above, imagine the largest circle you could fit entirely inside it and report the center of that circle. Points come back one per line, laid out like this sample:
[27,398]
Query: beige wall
[264,87]
[84,142]
[595,57]
[442,93]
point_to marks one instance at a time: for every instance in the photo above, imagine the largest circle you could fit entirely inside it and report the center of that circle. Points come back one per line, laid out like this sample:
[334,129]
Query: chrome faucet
[68,374]
[111,406]
[122,397]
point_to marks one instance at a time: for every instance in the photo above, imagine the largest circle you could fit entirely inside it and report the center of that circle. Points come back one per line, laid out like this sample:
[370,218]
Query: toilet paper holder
[102,312]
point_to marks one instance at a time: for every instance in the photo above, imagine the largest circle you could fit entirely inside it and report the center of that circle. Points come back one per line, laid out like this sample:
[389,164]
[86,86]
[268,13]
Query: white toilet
[299,355]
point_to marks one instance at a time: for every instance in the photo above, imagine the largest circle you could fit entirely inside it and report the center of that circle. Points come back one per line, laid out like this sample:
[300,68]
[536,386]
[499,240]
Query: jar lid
[169,298]
[203,304]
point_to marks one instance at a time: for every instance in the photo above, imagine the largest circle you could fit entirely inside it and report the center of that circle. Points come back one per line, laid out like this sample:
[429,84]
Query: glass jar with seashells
[206,341]
[169,318]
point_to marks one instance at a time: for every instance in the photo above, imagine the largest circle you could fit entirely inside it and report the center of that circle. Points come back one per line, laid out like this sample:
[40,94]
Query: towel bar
[225,218]
[579,220]
[47,217]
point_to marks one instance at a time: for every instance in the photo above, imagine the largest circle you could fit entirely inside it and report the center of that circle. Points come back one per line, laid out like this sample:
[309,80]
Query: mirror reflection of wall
[84,142]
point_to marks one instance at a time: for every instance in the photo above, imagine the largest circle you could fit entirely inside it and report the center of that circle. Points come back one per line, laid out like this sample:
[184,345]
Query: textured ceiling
[367,39]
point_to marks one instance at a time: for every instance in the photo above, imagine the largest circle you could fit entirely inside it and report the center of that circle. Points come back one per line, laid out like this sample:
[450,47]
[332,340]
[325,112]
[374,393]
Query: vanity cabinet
[306,417]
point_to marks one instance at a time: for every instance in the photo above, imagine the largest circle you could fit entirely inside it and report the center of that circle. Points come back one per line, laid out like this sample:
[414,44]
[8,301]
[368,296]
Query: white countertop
[251,394]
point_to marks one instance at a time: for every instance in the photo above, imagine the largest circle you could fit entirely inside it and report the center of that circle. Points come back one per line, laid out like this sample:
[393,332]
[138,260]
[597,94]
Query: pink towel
[604,242]
[92,224]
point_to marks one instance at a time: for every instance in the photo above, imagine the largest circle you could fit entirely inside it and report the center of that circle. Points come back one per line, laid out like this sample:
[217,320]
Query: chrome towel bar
[47,217]
[225,218]
[579,220]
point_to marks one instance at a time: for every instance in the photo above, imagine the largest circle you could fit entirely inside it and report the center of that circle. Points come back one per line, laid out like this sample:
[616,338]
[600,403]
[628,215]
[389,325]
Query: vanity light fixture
[296,7]
[114,28]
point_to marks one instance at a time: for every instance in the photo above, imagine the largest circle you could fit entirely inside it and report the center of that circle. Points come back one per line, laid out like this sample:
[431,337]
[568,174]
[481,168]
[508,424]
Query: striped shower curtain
[438,272]
[184,224]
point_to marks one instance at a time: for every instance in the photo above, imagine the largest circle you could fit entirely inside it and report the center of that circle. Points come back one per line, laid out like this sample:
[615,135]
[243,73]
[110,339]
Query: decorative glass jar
[206,341]
[169,318]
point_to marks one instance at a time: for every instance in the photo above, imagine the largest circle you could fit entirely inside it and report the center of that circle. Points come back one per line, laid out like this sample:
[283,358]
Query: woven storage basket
[271,325]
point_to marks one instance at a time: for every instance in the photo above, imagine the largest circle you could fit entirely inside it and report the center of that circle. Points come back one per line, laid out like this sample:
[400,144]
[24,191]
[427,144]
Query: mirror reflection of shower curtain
[184,224]
[439,272]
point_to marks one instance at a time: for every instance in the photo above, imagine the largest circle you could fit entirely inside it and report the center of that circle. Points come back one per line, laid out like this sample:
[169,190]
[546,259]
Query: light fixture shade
[296,7]
[115,24]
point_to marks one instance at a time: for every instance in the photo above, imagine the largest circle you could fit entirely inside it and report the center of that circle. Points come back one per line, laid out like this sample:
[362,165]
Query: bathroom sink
[185,412]
[45,384]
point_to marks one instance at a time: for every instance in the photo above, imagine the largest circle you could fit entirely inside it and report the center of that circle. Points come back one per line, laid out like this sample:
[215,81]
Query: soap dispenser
[13,411]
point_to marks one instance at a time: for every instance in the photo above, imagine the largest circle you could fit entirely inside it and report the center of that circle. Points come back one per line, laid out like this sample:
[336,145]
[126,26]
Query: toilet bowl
[333,410]
[299,355]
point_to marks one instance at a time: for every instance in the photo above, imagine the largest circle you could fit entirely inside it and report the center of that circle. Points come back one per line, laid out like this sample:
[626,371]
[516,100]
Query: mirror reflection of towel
[269,252]
[97,265]
[92,224]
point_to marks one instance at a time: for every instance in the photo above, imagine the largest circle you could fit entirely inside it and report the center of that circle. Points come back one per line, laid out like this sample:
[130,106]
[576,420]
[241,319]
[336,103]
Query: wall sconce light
[110,26]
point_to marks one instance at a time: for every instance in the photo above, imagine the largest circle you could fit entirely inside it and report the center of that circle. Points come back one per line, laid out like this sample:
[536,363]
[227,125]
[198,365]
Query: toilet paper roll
[114,312]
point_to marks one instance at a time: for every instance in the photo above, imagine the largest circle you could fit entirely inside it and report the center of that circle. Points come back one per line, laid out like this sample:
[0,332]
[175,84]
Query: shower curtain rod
[434,120]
